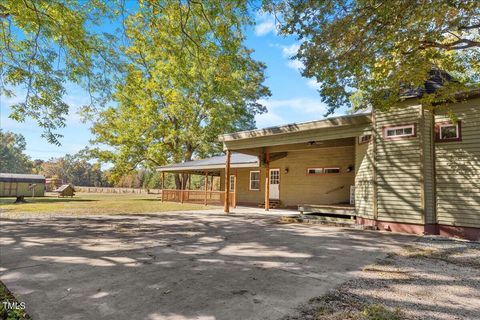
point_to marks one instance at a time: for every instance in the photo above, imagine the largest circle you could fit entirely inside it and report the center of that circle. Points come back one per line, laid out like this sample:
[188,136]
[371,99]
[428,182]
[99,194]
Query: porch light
[286,170]
[350,169]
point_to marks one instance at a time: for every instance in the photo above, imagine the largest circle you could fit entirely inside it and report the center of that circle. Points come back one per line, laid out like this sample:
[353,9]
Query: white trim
[213,166]
[250,180]
[443,125]
[330,168]
[403,127]
[315,168]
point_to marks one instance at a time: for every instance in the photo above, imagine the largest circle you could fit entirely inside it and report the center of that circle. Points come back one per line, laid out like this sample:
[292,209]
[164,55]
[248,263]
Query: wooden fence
[117,190]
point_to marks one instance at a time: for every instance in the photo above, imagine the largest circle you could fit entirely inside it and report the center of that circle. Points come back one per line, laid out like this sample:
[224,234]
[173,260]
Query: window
[448,131]
[255,180]
[396,132]
[364,139]
[232,183]
[314,170]
[331,170]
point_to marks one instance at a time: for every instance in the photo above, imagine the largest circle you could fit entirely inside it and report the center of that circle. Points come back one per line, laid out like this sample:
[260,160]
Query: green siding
[16,189]
[457,166]
[364,180]
[399,168]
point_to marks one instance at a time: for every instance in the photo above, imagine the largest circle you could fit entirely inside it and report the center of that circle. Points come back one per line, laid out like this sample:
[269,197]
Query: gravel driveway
[181,265]
[431,279]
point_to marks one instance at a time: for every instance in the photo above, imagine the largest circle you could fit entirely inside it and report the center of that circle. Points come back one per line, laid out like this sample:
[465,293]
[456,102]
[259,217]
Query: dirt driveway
[181,265]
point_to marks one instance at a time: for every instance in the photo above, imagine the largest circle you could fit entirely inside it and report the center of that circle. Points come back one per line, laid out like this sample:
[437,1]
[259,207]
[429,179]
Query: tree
[47,44]
[365,52]
[74,169]
[12,156]
[189,78]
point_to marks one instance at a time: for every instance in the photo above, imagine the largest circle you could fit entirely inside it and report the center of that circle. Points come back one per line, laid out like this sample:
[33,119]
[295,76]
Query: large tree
[189,78]
[12,153]
[46,45]
[366,51]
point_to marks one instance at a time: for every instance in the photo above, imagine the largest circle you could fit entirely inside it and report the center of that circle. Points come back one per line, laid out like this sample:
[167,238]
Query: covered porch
[214,180]
[311,167]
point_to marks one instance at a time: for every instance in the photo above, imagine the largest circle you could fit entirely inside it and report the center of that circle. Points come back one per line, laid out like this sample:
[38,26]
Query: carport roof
[216,163]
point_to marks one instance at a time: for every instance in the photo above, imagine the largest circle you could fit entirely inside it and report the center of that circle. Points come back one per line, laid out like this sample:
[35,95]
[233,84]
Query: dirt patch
[434,279]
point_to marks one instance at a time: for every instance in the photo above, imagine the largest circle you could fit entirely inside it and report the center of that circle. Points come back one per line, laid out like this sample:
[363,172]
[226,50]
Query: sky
[294,98]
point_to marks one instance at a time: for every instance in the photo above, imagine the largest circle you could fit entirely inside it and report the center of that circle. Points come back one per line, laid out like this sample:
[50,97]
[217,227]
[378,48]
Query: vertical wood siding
[458,169]
[399,175]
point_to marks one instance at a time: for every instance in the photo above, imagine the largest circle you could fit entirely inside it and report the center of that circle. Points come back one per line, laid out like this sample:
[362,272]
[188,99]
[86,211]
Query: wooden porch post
[226,208]
[206,186]
[267,179]
[181,188]
[163,183]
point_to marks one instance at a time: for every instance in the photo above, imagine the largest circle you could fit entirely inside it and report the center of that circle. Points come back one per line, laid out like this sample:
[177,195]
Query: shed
[21,185]
[65,190]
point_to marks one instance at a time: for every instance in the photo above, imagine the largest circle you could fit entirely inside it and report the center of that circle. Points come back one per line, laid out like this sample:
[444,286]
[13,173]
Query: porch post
[206,186]
[163,184]
[267,179]
[181,188]
[226,208]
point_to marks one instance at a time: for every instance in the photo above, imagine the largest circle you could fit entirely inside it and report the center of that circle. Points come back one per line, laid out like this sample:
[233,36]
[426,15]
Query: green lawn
[95,203]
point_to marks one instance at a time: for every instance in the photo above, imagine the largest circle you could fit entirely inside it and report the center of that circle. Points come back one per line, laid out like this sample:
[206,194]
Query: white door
[275,184]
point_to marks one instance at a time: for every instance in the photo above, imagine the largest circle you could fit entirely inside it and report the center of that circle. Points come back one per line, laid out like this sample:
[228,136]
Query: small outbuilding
[21,185]
[65,190]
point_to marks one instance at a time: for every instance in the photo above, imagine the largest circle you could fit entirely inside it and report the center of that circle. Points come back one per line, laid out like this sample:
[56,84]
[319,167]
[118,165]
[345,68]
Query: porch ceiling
[304,146]
[330,129]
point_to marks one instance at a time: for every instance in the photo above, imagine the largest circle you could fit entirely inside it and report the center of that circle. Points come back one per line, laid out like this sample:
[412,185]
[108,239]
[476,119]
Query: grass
[95,203]
[10,314]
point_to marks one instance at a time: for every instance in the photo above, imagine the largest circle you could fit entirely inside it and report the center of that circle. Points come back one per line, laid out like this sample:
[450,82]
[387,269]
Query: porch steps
[274,204]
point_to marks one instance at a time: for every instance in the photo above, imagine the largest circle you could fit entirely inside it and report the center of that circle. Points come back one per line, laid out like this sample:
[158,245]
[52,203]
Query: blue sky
[294,98]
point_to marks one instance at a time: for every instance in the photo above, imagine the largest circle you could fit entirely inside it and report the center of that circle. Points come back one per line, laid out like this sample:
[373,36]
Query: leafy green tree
[47,44]
[12,156]
[364,52]
[189,78]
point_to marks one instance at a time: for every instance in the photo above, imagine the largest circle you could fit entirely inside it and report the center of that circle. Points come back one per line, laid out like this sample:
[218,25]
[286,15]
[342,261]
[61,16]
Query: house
[21,185]
[410,169]
[65,190]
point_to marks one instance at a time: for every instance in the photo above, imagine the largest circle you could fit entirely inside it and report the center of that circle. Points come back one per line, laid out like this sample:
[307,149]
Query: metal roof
[238,160]
[345,120]
[63,187]
[20,177]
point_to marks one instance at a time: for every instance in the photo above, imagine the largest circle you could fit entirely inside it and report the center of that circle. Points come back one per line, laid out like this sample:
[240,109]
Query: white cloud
[296,65]
[265,24]
[291,50]
[311,109]
[312,83]
[288,52]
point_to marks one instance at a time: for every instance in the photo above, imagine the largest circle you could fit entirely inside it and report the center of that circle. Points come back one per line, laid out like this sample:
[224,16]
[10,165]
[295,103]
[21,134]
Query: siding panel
[458,169]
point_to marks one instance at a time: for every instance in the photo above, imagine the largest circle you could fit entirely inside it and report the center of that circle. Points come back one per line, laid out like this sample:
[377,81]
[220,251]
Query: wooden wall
[364,183]
[21,190]
[457,166]
[399,170]
[296,187]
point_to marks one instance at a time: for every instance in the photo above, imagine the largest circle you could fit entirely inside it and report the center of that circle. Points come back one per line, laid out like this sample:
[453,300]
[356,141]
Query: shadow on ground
[178,265]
